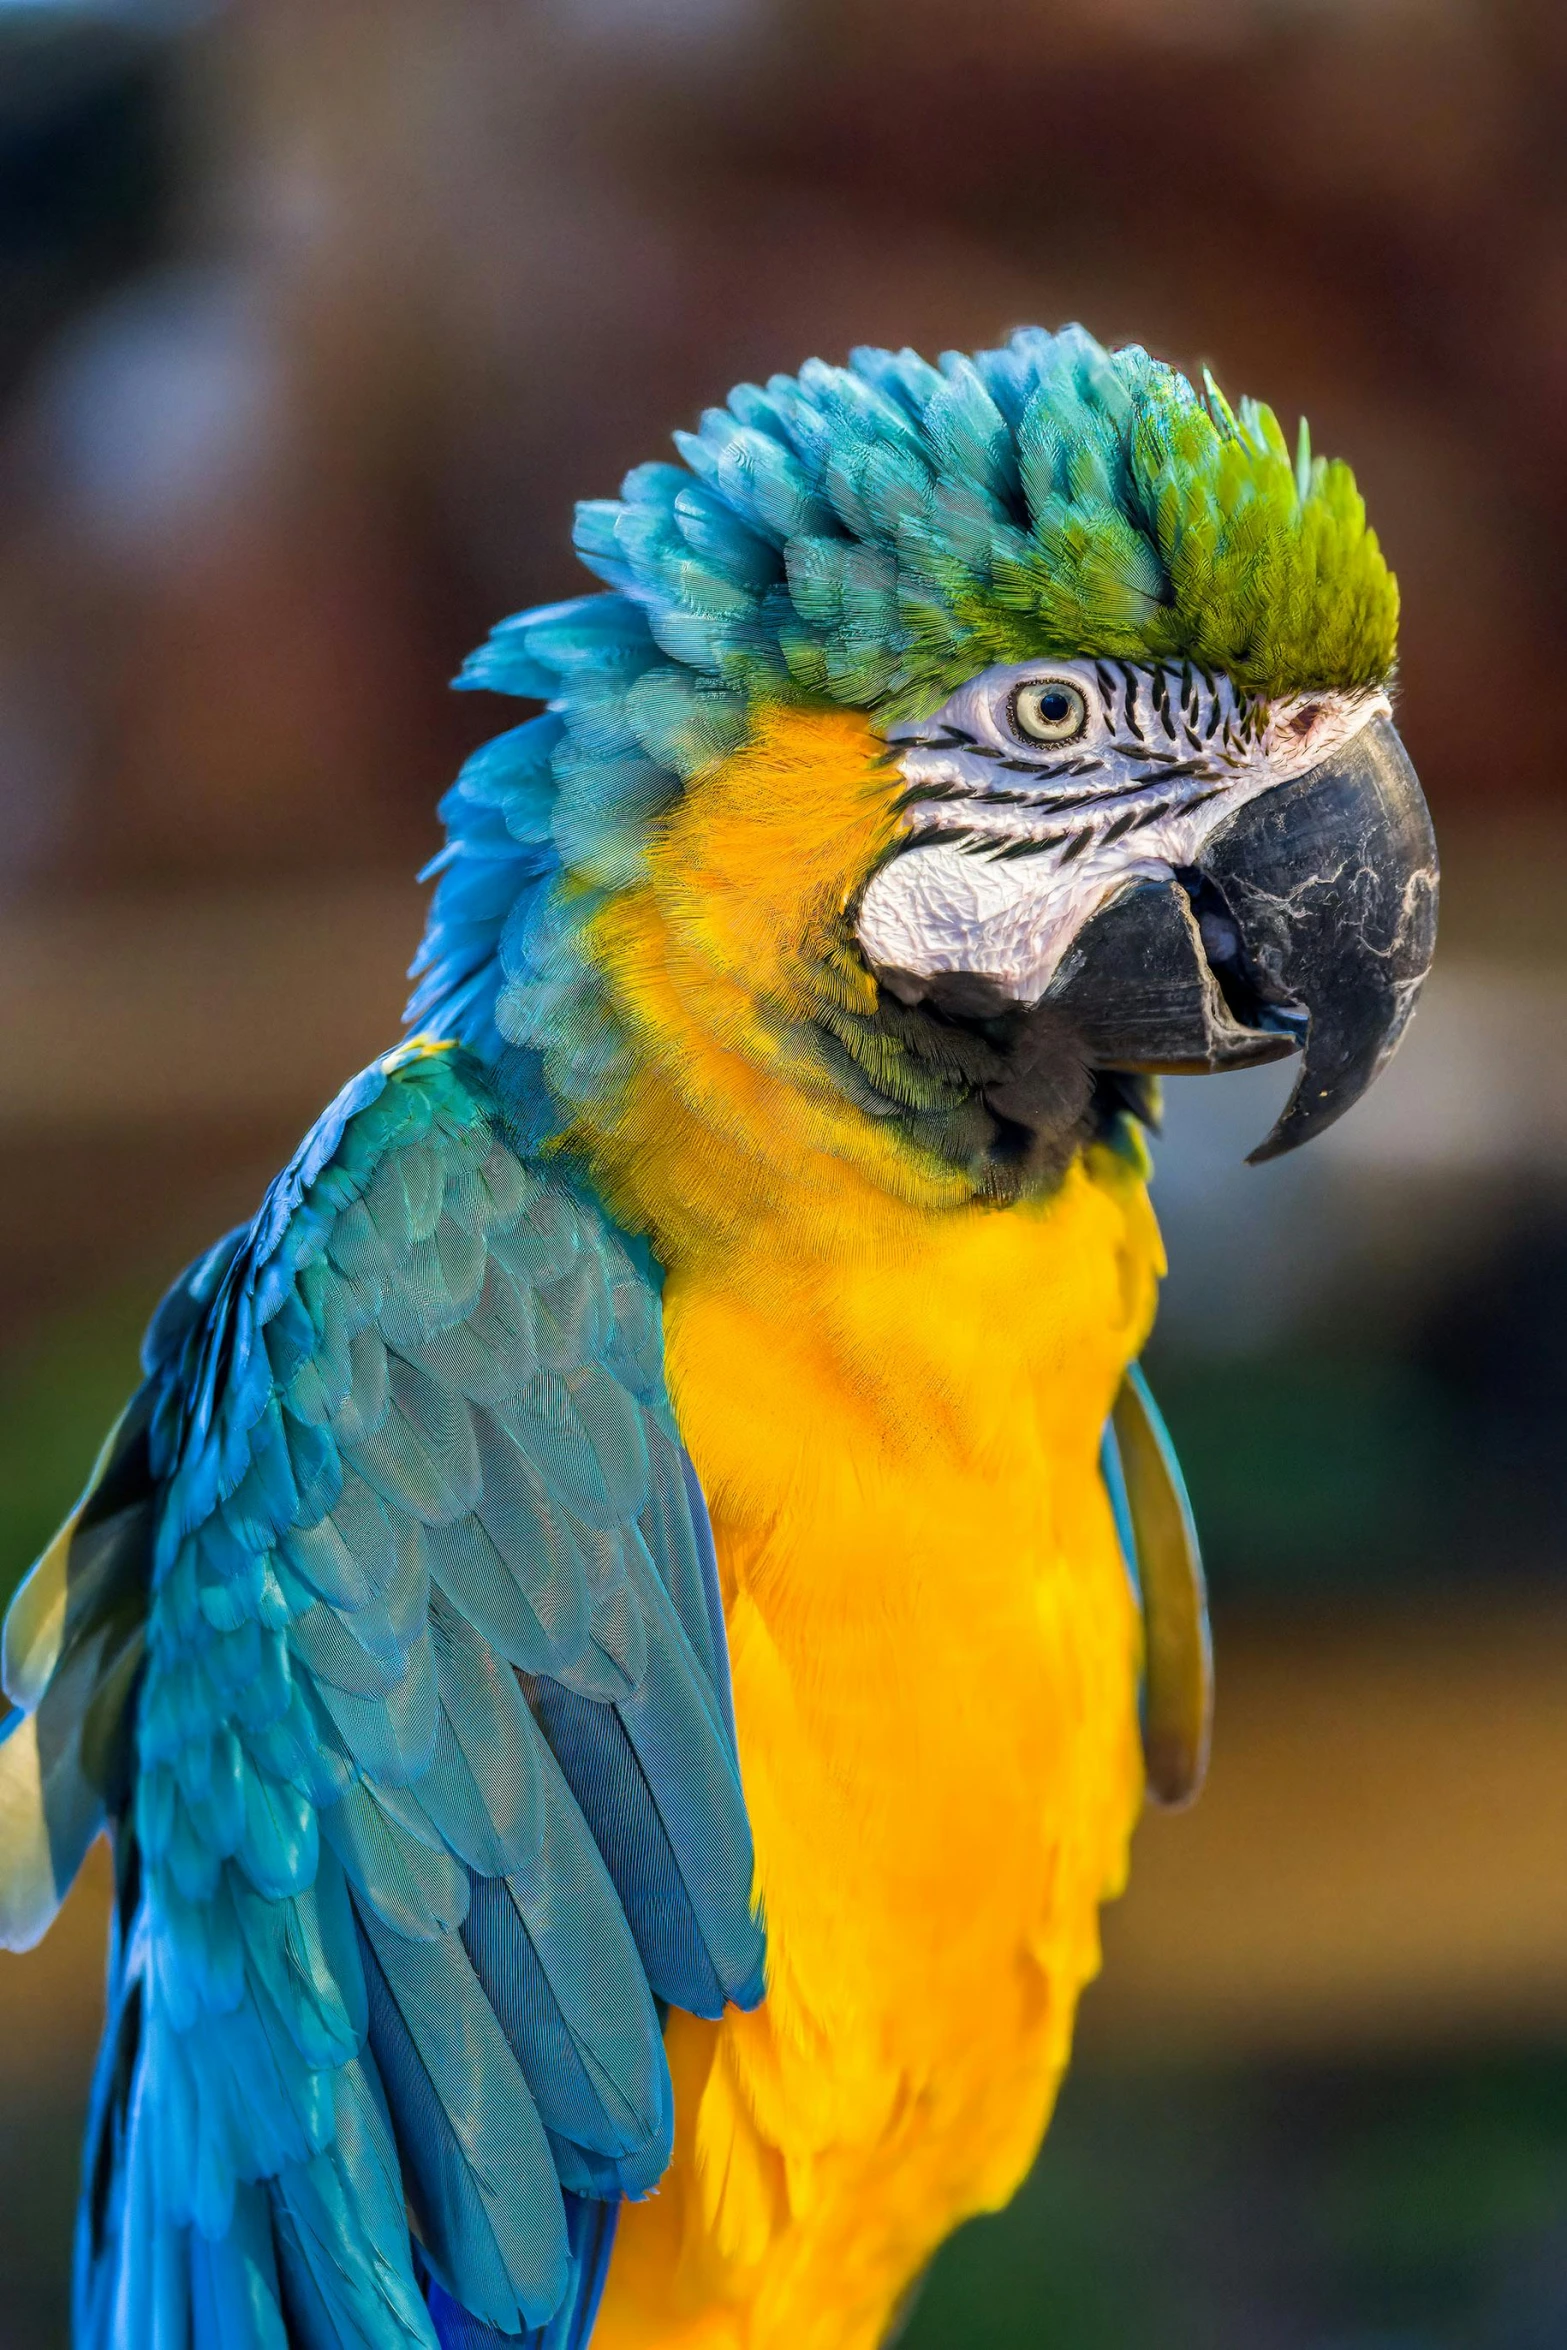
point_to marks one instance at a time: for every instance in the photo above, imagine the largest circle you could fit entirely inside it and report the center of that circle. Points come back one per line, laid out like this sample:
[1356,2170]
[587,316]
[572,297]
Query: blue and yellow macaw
[604,1641]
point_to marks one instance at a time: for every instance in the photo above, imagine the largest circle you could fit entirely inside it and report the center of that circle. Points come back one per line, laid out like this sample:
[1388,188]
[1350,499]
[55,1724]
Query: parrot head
[1165,873]
[969,744]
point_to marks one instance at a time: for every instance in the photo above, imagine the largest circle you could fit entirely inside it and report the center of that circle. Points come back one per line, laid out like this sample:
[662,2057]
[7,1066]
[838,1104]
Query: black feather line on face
[1016,766]
[958,836]
[918,792]
[1178,767]
[1060,803]
[947,738]
[1022,845]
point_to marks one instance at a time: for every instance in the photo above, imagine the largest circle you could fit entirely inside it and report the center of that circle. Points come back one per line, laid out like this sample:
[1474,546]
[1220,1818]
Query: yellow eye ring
[1049,710]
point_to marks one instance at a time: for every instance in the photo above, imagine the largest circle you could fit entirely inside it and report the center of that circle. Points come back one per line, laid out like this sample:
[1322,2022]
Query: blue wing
[433,1795]
[1158,1537]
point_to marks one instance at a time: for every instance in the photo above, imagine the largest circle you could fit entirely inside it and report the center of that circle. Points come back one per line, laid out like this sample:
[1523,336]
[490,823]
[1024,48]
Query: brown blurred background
[315,315]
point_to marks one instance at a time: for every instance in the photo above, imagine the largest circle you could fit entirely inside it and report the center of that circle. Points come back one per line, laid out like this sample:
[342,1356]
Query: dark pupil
[1054,708]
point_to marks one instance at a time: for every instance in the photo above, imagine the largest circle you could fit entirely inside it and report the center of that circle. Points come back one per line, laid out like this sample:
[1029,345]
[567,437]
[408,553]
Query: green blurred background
[314,317]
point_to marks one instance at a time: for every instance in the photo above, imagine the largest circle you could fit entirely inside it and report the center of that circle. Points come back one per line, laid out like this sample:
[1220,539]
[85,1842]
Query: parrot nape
[622,1637]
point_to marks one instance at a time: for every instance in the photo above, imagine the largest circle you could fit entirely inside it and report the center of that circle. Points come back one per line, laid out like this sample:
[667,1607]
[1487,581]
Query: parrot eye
[1049,710]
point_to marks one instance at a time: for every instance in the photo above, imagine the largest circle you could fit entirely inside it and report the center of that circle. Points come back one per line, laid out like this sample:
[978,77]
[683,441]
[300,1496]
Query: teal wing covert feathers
[426,1796]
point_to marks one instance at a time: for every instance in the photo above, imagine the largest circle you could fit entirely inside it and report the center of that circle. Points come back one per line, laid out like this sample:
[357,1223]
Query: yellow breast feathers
[894,1396]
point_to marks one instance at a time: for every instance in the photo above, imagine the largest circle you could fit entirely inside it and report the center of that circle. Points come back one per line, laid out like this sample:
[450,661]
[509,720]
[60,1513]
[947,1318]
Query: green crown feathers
[880,532]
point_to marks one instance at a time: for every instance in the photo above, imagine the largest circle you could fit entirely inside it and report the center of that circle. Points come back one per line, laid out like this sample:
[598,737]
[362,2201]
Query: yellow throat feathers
[791,1222]
[894,1395]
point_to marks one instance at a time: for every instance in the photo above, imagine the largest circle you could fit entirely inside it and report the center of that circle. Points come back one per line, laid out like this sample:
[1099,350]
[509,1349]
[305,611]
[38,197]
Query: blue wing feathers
[235,2297]
[435,1788]
[340,2230]
[708,1617]
[621,2114]
[611,1788]
[590,2235]
[420,1892]
[475,2158]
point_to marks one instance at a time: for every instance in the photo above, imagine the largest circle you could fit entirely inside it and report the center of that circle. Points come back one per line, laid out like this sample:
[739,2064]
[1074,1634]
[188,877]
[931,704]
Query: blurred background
[314,317]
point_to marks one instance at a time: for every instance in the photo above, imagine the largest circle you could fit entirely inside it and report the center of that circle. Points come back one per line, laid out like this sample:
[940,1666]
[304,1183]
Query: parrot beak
[1308,923]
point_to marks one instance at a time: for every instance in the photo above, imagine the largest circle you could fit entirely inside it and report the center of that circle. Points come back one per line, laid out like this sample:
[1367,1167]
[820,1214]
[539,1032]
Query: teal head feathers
[881,532]
[924,544]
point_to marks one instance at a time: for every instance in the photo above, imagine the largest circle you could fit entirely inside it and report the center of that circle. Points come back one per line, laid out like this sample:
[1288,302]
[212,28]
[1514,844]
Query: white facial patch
[1037,791]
